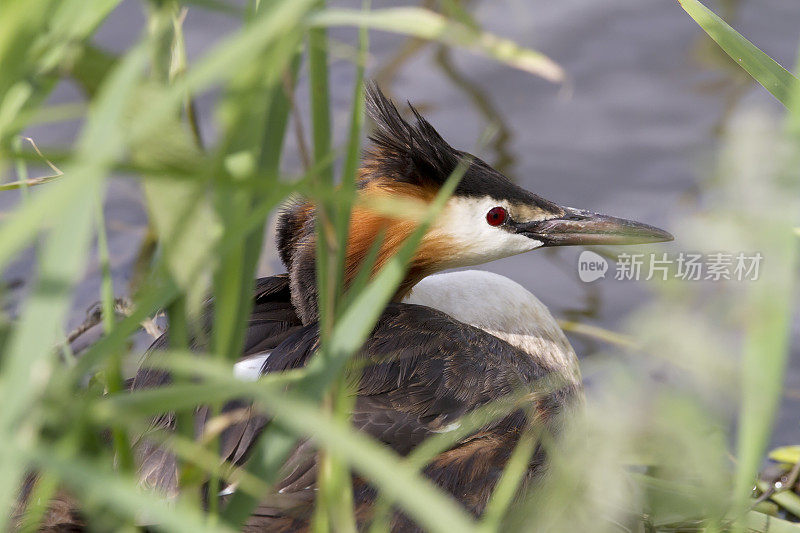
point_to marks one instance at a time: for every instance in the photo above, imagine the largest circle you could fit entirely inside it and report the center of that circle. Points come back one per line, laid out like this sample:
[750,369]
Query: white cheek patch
[463,225]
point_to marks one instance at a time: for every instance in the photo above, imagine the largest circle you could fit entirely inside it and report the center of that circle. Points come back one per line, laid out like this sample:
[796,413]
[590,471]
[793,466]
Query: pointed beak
[581,227]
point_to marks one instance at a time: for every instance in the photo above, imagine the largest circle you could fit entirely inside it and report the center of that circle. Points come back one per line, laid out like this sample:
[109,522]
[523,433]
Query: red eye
[496,216]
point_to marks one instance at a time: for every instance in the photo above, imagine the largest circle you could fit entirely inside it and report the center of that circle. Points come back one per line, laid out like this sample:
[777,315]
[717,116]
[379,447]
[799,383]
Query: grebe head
[488,217]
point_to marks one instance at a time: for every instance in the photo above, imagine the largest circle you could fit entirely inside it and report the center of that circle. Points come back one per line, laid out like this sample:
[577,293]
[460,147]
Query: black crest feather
[415,152]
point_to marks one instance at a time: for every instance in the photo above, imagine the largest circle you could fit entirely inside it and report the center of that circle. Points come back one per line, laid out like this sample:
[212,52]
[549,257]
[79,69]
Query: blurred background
[653,122]
[632,132]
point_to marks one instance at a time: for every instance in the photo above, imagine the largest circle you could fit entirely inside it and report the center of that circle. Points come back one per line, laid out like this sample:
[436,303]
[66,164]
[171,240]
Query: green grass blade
[229,57]
[44,488]
[62,261]
[763,523]
[508,486]
[359,318]
[350,170]
[326,242]
[786,454]
[766,351]
[22,170]
[271,452]
[71,21]
[422,455]
[401,482]
[114,379]
[94,480]
[320,99]
[426,24]
[41,34]
[432,509]
[21,21]
[159,290]
[766,71]
[334,503]
[275,444]
[255,99]
[22,226]
[248,107]
[786,498]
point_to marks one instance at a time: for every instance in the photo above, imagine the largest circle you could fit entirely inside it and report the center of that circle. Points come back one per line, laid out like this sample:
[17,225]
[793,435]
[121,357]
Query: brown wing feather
[425,370]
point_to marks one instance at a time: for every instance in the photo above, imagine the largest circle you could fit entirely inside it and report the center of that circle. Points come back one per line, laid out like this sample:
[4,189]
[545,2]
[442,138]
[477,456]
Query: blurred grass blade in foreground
[208,209]
[426,24]
[766,71]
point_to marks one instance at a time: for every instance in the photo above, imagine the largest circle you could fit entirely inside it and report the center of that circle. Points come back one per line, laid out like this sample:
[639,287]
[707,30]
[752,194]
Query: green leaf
[786,454]
[188,229]
[762,523]
[766,71]
[787,499]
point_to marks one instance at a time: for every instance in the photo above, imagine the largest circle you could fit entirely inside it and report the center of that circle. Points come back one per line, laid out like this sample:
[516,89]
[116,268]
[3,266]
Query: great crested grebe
[447,344]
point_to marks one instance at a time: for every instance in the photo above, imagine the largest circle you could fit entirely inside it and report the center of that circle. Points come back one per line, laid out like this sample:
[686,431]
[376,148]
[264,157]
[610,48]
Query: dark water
[647,98]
